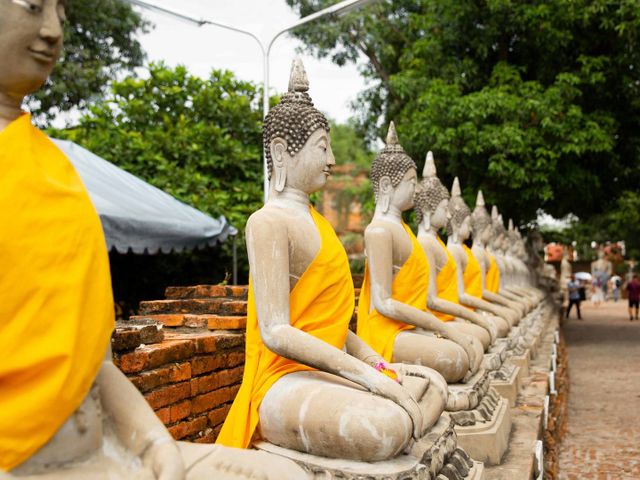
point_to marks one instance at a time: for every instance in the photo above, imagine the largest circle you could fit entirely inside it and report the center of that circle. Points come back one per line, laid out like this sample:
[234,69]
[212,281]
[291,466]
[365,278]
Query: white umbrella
[583,276]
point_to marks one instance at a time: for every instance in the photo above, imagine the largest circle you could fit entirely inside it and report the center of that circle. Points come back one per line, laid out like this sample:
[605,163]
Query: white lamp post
[339,9]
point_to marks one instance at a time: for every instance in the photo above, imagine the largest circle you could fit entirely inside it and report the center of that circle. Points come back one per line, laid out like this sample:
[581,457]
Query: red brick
[239,291]
[191,427]
[216,431]
[208,363]
[209,436]
[169,351]
[211,400]
[192,306]
[210,291]
[195,321]
[125,339]
[168,395]
[164,415]
[219,415]
[168,319]
[180,372]
[133,362]
[216,322]
[227,341]
[233,307]
[218,379]
[180,410]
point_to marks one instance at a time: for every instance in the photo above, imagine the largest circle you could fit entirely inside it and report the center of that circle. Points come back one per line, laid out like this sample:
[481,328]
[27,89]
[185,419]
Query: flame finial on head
[455,189]
[298,81]
[392,135]
[429,169]
[511,229]
[480,199]
[494,213]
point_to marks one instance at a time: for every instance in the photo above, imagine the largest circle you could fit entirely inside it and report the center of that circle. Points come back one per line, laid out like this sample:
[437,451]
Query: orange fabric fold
[447,283]
[472,275]
[492,277]
[57,307]
[409,286]
[321,304]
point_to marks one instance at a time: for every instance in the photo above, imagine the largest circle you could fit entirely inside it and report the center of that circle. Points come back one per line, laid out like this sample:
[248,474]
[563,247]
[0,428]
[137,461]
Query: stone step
[202,321]
[207,291]
[195,306]
[129,335]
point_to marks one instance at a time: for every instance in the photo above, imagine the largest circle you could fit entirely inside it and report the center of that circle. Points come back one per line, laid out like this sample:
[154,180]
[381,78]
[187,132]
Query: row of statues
[435,321]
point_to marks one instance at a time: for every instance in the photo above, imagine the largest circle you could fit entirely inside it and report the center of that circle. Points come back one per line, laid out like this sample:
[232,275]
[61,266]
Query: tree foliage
[99,43]
[537,102]
[197,139]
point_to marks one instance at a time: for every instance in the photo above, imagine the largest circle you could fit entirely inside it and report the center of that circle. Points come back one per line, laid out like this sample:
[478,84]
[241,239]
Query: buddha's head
[460,223]
[393,175]
[432,198]
[499,232]
[481,225]
[30,43]
[513,239]
[296,139]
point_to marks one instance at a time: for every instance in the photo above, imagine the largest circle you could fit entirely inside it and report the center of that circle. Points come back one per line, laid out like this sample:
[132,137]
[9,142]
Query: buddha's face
[440,215]
[404,192]
[486,235]
[309,169]
[30,43]
[465,229]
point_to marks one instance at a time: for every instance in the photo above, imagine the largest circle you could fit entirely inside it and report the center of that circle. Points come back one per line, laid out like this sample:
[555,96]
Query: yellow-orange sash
[56,312]
[321,304]
[472,275]
[409,286]
[492,277]
[447,283]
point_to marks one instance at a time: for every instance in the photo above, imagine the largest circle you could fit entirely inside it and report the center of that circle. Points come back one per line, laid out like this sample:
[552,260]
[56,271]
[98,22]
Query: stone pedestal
[506,381]
[488,440]
[522,362]
[435,456]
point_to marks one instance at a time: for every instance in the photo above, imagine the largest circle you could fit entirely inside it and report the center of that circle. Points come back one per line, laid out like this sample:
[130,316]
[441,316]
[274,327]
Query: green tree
[99,43]
[534,102]
[197,139]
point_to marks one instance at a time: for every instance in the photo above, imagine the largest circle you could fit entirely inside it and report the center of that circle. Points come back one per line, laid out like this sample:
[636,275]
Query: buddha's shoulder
[274,219]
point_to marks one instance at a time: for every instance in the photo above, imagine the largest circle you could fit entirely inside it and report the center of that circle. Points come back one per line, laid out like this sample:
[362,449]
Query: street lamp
[339,9]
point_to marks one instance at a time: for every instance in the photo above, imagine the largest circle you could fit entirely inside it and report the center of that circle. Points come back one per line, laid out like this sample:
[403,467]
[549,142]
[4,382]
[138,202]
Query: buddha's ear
[278,152]
[384,193]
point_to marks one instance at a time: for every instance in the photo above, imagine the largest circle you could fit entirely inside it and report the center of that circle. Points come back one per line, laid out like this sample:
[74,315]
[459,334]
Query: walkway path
[603,437]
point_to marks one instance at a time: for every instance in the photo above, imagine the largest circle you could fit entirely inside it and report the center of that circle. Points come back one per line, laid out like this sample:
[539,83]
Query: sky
[175,41]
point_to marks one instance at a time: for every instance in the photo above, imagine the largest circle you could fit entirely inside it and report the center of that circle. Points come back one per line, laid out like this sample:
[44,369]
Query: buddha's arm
[268,249]
[379,246]
[136,425]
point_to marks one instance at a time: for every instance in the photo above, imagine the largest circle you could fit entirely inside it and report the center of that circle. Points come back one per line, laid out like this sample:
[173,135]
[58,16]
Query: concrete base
[488,441]
[434,454]
[521,361]
[509,385]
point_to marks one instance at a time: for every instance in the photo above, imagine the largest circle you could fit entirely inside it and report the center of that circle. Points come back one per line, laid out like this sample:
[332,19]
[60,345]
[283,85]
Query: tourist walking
[573,286]
[616,282]
[633,288]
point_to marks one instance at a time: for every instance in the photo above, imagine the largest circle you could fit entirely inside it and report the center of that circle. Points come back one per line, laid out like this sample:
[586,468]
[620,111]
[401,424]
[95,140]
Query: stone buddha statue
[67,411]
[499,248]
[601,269]
[392,313]
[312,390]
[483,235]
[432,213]
[468,268]
[516,255]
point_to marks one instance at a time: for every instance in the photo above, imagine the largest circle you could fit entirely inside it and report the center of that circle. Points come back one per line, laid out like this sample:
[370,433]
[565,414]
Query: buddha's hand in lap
[394,391]
[470,345]
[164,459]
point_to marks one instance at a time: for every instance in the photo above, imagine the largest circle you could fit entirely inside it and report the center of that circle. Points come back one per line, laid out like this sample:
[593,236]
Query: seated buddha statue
[392,311]
[311,385]
[498,248]
[482,228]
[468,269]
[516,256]
[432,213]
[67,411]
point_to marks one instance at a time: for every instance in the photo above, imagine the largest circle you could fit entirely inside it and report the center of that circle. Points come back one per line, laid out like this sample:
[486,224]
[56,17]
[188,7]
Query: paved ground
[603,436]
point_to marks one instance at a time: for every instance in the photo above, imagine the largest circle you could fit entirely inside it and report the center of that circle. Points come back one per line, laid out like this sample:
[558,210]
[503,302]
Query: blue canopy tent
[138,217]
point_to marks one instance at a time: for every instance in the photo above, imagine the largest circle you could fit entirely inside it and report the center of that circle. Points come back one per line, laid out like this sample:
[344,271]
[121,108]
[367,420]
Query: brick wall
[186,355]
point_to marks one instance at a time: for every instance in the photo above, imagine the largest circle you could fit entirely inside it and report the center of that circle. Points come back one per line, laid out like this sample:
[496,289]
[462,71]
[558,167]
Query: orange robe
[321,304]
[57,308]
[472,275]
[447,283]
[492,277]
[409,286]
